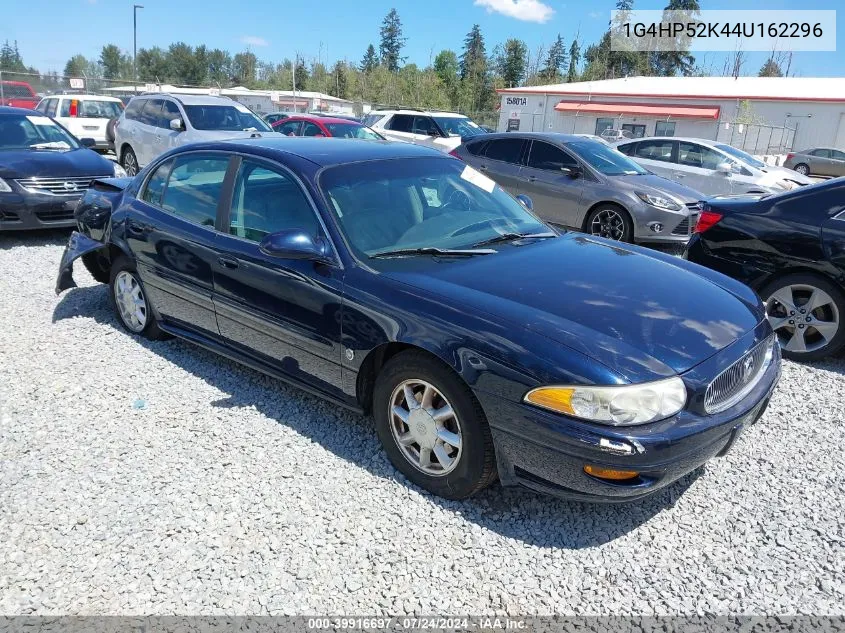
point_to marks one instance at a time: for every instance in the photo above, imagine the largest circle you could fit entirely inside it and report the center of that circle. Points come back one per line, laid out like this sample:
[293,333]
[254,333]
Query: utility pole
[135,8]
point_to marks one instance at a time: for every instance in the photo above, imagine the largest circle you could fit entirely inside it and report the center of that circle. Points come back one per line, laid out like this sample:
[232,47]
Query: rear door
[501,160]
[658,155]
[556,194]
[171,230]
[284,312]
[147,146]
[838,162]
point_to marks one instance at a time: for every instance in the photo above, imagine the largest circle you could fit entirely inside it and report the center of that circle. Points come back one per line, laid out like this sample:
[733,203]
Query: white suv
[84,116]
[440,130]
[153,123]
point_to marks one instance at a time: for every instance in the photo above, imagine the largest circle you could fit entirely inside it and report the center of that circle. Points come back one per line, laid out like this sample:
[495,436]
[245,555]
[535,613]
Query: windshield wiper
[50,145]
[507,237]
[433,250]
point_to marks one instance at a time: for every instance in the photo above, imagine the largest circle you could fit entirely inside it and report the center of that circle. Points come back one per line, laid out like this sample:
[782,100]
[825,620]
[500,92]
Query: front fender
[77,246]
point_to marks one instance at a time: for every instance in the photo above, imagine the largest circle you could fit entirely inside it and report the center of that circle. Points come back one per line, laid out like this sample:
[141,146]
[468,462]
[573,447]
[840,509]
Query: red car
[304,125]
[17,94]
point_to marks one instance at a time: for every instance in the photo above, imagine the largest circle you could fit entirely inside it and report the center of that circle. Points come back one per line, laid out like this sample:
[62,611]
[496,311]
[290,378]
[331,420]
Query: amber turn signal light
[610,474]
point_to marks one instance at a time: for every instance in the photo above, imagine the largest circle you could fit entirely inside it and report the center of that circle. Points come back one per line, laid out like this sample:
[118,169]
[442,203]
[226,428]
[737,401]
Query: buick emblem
[747,369]
[70,186]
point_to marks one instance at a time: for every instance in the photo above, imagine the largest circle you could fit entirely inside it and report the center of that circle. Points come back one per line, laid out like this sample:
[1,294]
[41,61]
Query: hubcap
[802,170]
[130,301]
[608,223]
[130,164]
[804,317]
[425,427]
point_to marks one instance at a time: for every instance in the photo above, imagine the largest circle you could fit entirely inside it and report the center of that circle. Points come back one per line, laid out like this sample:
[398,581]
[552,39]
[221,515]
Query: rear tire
[806,332]
[803,169]
[129,162]
[441,440]
[129,300]
[611,222]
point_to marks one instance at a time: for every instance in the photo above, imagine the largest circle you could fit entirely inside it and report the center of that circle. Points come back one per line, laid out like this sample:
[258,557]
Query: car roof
[322,119]
[555,137]
[190,99]
[325,151]
[65,95]
[422,112]
[11,110]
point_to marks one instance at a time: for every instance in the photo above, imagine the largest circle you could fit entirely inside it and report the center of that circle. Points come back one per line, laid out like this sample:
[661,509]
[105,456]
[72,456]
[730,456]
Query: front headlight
[661,202]
[621,405]
[4,187]
[119,172]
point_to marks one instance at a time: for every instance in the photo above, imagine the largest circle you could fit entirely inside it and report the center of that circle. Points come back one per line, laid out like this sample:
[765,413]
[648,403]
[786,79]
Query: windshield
[606,159]
[351,130]
[89,109]
[33,132]
[745,158]
[458,126]
[226,118]
[420,202]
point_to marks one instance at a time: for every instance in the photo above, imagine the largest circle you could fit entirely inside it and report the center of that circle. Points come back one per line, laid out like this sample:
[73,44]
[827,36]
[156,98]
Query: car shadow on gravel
[43,237]
[517,513]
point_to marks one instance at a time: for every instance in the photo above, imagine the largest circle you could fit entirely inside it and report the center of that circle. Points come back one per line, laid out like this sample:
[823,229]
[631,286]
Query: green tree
[392,41]
[244,66]
[300,73]
[111,60]
[77,66]
[370,60]
[770,69]
[446,69]
[10,58]
[574,58]
[680,61]
[338,85]
[511,62]
[152,65]
[184,66]
[219,65]
[555,62]
[476,90]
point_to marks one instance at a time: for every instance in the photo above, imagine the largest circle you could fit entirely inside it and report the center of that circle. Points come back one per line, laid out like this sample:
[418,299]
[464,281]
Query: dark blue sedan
[394,279]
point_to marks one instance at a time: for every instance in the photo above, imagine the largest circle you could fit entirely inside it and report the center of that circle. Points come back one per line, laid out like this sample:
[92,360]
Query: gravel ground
[155,478]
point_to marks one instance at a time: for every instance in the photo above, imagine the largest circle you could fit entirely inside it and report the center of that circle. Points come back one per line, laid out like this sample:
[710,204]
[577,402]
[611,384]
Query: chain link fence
[756,138]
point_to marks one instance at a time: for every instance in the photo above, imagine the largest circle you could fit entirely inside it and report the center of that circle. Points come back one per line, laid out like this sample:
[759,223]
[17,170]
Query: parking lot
[155,478]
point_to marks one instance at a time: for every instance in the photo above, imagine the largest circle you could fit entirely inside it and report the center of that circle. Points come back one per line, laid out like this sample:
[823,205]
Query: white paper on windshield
[472,124]
[242,108]
[40,120]
[478,179]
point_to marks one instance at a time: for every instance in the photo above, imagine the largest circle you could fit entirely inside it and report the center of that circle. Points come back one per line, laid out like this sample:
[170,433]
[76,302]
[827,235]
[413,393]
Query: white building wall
[817,123]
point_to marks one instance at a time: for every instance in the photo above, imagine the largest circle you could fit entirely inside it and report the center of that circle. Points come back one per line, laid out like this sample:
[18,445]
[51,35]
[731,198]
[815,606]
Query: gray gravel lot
[156,478]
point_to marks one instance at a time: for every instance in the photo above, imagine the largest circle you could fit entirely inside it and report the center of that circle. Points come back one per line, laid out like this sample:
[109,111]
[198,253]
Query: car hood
[224,135]
[652,183]
[53,163]
[644,317]
[782,173]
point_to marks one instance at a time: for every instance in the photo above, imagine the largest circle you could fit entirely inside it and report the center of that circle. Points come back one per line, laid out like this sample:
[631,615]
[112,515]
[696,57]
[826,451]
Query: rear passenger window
[52,104]
[151,114]
[267,201]
[193,188]
[654,150]
[155,185]
[695,155]
[133,110]
[821,153]
[508,150]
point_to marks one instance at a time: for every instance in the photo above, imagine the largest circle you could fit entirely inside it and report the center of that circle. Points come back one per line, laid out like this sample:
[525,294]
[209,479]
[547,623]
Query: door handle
[482,167]
[227,262]
[679,174]
[137,229]
[532,179]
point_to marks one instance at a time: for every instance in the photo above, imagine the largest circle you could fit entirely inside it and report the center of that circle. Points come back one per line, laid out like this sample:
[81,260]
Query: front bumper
[663,226]
[548,452]
[24,211]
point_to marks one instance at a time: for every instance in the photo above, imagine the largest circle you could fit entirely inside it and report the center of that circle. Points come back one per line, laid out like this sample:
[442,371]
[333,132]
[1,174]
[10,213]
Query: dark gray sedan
[582,184]
[819,161]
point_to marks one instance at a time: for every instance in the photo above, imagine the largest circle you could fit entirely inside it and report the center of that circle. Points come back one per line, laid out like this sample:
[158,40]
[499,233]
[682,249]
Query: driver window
[424,125]
[266,201]
[548,157]
[311,130]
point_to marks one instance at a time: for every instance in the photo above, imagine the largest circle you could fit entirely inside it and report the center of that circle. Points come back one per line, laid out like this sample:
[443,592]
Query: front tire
[611,222]
[806,313]
[432,427]
[130,302]
[802,169]
[129,162]
[98,267]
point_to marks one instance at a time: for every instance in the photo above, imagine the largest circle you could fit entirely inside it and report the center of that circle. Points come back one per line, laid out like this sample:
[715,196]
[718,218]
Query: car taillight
[790,156]
[74,107]
[707,220]
[454,153]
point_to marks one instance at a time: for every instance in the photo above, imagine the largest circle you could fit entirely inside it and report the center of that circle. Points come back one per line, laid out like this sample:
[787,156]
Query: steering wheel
[457,199]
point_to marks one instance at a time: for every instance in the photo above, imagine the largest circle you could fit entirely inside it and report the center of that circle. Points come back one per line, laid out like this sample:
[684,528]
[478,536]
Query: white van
[84,116]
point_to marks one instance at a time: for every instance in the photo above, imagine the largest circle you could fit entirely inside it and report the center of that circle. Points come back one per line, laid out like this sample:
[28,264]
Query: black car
[790,248]
[44,170]
[393,278]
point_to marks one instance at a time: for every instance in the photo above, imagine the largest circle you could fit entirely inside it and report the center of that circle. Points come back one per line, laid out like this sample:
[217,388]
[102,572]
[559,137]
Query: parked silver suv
[153,123]
[585,185]
[710,167]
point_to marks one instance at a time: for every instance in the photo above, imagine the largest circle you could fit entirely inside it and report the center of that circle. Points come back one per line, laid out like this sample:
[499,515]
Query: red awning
[677,111]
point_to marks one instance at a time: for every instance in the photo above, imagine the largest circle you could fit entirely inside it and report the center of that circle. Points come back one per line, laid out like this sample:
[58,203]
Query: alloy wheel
[425,427]
[130,301]
[608,223]
[804,317]
[130,163]
[803,170]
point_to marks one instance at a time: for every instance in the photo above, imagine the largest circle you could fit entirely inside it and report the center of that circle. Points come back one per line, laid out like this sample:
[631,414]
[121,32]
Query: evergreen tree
[111,59]
[574,58]
[511,62]
[338,85]
[555,62]
[474,55]
[77,66]
[391,41]
[300,73]
[770,69]
[370,61]
[219,67]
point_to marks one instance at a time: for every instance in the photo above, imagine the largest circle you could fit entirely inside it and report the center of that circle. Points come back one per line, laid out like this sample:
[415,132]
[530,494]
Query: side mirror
[572,172]
[724,168]
[525,201]
[87,142]
[177,124]
[295,244]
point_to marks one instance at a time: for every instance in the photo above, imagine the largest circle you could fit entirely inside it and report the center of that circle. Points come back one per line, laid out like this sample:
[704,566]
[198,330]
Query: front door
[170,228]
[556,193]
[657,155]
[285,312]
[699,165]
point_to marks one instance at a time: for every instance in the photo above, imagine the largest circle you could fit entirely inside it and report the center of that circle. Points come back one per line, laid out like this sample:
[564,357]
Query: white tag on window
[41,120]
[478,179]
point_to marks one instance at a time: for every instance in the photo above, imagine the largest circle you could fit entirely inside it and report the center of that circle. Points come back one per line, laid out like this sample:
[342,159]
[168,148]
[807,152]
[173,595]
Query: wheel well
[605,203]
[799,270]
[123,149]
[371,367]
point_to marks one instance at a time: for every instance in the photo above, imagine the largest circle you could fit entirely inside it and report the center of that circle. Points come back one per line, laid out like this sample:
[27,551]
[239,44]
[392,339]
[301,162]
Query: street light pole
[135,8]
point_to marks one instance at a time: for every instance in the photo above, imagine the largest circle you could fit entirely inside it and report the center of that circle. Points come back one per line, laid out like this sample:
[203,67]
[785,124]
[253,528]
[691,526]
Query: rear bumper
[20,212]
[548,452]
[697,252]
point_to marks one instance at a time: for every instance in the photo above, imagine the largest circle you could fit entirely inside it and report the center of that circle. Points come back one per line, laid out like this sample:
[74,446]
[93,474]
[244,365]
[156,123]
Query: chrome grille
[58,186]
[737,381]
